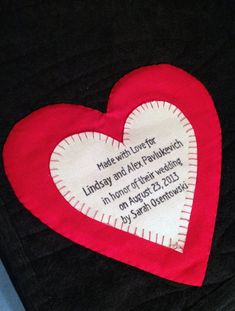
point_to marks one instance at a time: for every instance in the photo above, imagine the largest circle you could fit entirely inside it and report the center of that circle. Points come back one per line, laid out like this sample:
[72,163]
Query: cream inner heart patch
[143,185]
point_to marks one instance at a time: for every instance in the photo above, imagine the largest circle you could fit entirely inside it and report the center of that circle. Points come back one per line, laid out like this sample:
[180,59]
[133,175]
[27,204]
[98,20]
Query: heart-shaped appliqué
[143,185]
[139,183]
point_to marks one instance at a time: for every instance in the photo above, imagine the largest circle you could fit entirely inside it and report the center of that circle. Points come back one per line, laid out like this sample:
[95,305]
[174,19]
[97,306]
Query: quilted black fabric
[73,52]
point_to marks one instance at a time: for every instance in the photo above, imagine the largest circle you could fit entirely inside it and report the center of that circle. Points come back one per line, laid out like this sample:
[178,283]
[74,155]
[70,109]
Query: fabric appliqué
[139,183]
[143,185]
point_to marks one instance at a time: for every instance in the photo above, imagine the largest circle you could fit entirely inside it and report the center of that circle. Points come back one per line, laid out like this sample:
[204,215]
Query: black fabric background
[73,52]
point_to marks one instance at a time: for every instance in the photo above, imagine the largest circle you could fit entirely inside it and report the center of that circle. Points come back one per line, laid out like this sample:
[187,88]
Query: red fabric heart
[31,142]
